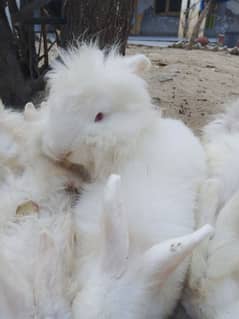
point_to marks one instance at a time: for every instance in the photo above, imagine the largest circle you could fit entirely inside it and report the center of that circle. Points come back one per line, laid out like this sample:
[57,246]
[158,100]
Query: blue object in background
[202,5]
[231,39]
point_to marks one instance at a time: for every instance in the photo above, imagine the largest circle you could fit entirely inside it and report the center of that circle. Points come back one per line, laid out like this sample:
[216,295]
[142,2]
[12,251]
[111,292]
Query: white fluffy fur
[12,136]
[36,264]
[161,164]
[26,173]
[36,251]
[20,137]
[213,285]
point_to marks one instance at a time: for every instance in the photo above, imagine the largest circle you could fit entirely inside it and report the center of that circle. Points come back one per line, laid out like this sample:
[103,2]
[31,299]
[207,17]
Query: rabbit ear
[162,259]
[138,63]
[30,112]
[223,251]
[116,241]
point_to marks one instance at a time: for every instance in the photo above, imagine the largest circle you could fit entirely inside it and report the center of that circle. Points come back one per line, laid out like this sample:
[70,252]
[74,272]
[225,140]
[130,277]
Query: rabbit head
[98,105]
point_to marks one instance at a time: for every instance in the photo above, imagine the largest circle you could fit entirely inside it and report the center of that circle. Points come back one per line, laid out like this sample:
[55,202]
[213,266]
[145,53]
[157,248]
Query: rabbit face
[97,104]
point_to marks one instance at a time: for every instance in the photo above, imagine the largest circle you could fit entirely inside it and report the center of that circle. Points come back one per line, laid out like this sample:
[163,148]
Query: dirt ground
[191,85]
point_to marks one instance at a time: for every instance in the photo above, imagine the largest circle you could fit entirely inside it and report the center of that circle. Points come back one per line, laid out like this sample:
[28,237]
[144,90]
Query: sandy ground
[191,85]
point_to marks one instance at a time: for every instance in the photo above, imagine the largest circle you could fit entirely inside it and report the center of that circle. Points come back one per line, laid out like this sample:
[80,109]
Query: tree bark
[14,89]
[197,26]
[107,22]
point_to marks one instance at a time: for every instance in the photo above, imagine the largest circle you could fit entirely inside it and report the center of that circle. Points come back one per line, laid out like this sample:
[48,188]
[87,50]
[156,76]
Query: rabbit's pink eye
[99,117]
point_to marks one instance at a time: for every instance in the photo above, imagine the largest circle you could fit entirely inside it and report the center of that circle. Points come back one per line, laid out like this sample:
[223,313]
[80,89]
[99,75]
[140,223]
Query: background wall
[224,19]
[152,24]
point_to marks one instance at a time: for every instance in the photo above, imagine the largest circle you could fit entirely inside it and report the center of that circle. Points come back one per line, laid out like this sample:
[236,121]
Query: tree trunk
[107,22]
[20,76]
[197,26]
[14,90]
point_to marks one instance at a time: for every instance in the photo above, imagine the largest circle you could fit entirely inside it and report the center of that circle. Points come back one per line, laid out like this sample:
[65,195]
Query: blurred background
[32,30]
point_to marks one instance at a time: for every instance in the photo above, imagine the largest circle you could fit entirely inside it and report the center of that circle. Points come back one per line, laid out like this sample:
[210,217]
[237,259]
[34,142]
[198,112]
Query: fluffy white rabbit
[100,116]
[27,174]
[36,231]
[212,290]
[36,265]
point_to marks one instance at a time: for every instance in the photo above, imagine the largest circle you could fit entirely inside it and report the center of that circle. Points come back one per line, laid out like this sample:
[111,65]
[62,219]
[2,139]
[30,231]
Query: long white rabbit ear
[138,63]
[30,112]
[223,252]
[116,242]
[162,259]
